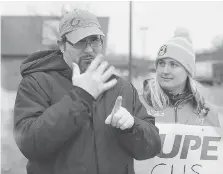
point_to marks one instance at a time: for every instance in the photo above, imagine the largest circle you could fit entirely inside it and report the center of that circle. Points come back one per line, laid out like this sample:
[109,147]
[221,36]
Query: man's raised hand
[95,79]
[120,117]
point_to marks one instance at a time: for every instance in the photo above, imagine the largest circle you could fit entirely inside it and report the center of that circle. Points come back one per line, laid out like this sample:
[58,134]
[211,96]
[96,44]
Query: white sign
[186,149]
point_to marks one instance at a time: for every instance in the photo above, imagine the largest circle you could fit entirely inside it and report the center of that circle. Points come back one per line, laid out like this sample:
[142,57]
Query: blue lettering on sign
[199,142]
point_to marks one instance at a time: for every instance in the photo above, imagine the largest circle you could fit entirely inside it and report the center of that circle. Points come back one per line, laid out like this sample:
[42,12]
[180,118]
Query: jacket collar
[177,99]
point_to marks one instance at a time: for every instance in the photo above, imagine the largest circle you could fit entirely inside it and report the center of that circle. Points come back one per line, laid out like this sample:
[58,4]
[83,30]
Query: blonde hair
[158,99]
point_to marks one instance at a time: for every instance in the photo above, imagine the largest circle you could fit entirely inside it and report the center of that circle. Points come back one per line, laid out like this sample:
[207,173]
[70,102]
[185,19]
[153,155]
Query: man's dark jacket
[61,128]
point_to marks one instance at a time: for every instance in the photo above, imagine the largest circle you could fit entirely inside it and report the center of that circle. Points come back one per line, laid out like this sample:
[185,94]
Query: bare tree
[218,42]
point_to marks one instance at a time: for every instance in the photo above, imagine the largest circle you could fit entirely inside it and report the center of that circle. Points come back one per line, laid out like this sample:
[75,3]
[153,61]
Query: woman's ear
[61,45]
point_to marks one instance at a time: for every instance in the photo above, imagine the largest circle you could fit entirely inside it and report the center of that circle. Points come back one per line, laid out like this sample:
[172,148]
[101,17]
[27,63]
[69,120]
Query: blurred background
[134,33]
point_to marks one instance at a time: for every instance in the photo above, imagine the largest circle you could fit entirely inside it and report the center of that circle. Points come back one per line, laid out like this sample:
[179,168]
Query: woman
[171,94]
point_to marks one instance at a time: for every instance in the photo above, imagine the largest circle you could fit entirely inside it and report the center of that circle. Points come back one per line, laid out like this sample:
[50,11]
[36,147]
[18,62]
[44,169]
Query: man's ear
[61,45]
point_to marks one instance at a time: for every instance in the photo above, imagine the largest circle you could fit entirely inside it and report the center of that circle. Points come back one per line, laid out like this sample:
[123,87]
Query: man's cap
[79,24]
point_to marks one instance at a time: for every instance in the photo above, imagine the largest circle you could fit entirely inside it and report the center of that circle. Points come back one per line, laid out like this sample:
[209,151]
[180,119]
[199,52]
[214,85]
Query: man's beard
[84,62]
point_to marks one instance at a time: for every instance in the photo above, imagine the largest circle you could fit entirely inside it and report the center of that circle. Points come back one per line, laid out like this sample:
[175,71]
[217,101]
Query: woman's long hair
[158,99]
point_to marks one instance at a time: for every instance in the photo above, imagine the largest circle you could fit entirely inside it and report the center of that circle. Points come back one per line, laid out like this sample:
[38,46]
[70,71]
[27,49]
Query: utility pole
[130,41]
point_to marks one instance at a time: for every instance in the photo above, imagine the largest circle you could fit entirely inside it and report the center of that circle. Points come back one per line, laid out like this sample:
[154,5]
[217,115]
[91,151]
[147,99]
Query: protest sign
[186,149]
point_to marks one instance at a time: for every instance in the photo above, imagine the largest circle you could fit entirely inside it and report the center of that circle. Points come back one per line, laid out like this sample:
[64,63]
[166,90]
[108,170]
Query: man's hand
[120,117]
[95,79]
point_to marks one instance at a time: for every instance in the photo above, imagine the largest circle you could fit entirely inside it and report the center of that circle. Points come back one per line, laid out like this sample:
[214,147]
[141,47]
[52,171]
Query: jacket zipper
[177,104]
[175,110]
[175,114]
[95,146]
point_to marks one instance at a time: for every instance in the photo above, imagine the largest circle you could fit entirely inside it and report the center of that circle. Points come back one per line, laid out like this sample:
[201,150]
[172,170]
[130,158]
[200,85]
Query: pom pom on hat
[180,49]
[184,33]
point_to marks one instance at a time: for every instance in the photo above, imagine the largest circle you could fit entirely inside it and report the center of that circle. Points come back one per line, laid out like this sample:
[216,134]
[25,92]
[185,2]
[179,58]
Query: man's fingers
[124,126]
[108,119]
[109,85]
[128,124]
[95,63]
[118,104]
[75,69]
[115,118]
[102,67]
[121,121]
[108,73]
[112,119]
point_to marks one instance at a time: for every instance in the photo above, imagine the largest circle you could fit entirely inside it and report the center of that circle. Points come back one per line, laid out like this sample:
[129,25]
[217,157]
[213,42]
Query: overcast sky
[202,19]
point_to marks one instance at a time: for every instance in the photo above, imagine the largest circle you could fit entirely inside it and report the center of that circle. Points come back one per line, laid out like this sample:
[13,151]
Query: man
[73,115]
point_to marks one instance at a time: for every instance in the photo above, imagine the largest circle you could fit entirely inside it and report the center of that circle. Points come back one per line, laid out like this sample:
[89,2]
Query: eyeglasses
[82,44]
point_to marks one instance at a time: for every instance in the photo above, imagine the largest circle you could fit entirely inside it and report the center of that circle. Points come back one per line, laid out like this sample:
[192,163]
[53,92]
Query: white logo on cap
[162,50]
